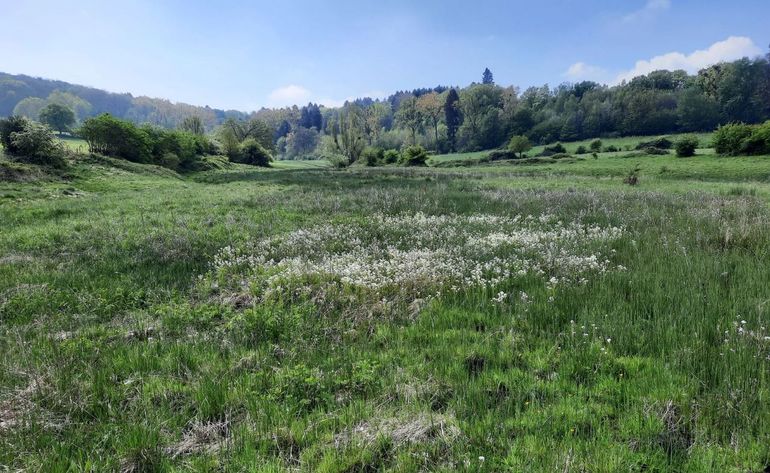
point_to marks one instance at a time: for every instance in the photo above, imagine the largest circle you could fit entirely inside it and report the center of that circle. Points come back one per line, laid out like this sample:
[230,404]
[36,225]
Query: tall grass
[124,351]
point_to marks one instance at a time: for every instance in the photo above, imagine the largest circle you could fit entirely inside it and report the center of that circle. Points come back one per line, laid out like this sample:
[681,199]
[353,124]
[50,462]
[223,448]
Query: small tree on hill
[519,144]
[596,146]
[193,124]
[58,117]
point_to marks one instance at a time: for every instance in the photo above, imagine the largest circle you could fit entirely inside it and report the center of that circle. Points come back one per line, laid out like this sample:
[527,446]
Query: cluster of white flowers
[432,252]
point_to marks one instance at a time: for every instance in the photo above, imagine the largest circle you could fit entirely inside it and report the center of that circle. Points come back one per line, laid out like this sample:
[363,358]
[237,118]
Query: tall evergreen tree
[452,117]
[487,77]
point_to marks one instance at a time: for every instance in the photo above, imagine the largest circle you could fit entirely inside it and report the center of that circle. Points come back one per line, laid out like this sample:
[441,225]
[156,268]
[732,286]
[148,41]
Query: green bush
[659,143]
[111,136]
[14,124]
[500,154]
[686,146]
[558,148]
[372,156]
[38,145]
[729,139]
[759,141]
[596,146]
[391,156]
[414,156]
[581,150]
[611,149]
[252,152]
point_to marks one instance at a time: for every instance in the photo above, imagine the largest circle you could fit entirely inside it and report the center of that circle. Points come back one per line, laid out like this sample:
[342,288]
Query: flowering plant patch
[425,253]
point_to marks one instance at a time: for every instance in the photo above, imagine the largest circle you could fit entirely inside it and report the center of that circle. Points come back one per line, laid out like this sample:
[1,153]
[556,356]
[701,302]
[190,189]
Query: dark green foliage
[8,126]
[487,77]
[373,156]
[729,139]
[252,152]
[36,144]
[686,146]
[581,150]
[558,148]
[310,117]
[58,117]
[452,117]
[611,149]
[110,136]
[501,154]
[654,151]
[660,143]
[391,156]
[414,156]
[596,146]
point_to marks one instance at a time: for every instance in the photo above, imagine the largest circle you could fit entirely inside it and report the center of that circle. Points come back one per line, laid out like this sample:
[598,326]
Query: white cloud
[734,47]
[583,71]
[289,95]
[650,9]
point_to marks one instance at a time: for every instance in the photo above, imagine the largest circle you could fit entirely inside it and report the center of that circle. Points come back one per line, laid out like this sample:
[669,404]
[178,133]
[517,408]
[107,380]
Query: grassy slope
[114,358]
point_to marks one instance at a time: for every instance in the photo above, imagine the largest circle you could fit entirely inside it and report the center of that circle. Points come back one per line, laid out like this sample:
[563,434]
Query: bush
[659,143]
[14,124]
[500,154]
[372,156]
[108,135]
[558,148]
[111,136]
[655,151]
[37,144]
[253,153]
[414,156]
[759,141]
[729,139]
[686,146]
[596,146]
[611,149]
[581,150]
[391,156]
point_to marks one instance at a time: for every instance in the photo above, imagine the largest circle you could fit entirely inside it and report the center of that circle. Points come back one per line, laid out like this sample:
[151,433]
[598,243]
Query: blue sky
[245,55]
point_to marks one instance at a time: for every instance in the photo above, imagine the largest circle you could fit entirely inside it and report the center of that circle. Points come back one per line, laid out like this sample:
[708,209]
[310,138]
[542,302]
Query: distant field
[75,144]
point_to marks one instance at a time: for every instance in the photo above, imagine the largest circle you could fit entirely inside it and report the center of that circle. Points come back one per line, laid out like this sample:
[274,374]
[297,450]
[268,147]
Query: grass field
[625,144]
[504,317]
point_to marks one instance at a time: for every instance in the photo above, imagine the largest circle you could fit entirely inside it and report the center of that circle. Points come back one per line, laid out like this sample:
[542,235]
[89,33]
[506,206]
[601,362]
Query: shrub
[391,156]
[686,146]
[37,144]
[660,143]
[108,135]
[372,156]
[500,154]
[596,146]
[759,141]
[611,149]
[581,150]
[729,139]
[14,124]
[558,148]
[414,156]
[655,151]
[254,153]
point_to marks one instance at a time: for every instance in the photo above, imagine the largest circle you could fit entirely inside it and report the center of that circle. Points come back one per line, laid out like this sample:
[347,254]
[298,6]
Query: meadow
[499,317]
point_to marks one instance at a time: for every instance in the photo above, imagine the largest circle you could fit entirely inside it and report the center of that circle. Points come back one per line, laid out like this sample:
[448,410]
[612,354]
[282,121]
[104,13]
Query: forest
[445,119]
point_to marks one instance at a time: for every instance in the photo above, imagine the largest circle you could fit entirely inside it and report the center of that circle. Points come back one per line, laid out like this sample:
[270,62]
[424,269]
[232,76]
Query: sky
[245,55]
